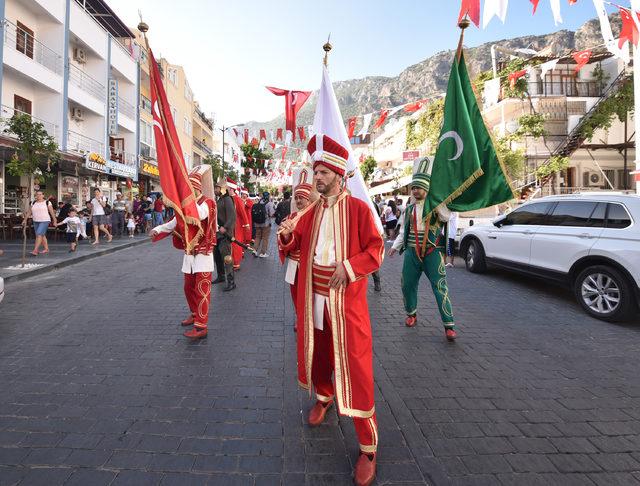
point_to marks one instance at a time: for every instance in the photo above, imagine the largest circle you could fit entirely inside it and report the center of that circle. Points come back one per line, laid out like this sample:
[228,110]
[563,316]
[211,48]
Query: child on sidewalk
[131,225]
[83,224]
[73,228]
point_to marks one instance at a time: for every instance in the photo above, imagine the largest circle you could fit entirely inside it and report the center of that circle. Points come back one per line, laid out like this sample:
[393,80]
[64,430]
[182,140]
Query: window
[617,216]
[529,214]
[21,104]
[146,133]
[185,125]
[187,92]
[174,114]
[145,103]
[577,213]
[24,40]
[173,75]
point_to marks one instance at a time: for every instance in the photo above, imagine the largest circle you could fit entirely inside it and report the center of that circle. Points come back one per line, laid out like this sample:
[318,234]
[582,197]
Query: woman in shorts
[42,213]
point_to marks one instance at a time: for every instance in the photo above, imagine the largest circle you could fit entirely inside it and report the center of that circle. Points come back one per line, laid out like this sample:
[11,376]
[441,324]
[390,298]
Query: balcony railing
[86,83]
[145,104]
[148,152]
[83,144]
[8,112]
[586,89]
[23,42]
[198,143]
[123,157]
[126,108]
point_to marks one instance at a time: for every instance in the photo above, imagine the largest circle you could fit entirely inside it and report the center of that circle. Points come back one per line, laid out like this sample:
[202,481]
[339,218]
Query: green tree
[619,106]
[215,161]
[35,154]
[513,159]
[426,128]
[368,167]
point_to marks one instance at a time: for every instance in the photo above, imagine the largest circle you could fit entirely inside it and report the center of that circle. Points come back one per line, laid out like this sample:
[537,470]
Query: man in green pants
[423,243]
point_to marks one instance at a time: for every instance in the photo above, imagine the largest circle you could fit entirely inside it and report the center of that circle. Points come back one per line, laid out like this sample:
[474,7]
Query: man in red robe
[197,265]
[242,223]
[339,247]
[248,205]
[301,195]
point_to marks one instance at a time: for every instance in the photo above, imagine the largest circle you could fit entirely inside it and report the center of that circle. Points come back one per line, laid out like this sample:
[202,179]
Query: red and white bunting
[581,58]
[494,8]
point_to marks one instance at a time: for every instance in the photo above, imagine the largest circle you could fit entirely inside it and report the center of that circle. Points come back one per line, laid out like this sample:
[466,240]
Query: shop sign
[96,162]
[409,155]
[150,169]
[122,170]
[112,105]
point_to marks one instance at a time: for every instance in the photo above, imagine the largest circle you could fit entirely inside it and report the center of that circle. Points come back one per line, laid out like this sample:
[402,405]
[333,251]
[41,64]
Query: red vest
[209,227]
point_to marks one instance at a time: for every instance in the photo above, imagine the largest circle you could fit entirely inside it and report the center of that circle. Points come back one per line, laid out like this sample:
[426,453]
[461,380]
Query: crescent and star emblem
[459,143]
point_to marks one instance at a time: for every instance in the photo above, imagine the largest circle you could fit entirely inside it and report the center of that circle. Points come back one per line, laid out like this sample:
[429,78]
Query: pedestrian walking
[197,262]
[158,211]
[284,209]
[390,217]
[118,215]
[43,214]
[262,213]
[73,229]
[98,216]
[422,243]
[339,247]
[226,228]
[452,230]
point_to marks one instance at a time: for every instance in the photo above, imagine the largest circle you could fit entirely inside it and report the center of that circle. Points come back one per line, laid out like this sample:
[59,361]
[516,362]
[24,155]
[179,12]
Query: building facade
[65,64]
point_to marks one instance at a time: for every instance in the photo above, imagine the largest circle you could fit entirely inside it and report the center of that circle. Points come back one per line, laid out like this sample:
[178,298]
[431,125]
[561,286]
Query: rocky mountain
[429,77]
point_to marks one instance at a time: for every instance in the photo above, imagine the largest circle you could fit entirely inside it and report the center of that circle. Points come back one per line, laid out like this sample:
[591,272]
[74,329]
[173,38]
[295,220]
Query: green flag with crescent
[466,173]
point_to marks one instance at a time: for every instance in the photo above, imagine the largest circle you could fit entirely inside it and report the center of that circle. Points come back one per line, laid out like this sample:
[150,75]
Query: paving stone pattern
[100,388]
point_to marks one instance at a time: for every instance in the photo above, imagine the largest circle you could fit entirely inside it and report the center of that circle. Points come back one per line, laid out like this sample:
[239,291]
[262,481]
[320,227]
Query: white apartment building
[64,63]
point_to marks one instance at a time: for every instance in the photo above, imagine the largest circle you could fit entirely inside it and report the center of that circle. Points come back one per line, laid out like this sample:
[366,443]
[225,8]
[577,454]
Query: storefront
[149,177]
[111,177]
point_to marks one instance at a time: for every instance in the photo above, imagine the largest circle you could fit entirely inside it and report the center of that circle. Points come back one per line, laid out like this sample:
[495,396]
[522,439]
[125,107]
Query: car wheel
[474,257]
[604,293]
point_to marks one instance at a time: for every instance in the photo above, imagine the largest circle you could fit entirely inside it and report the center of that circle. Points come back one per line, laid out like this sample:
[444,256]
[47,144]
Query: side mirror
[500,221]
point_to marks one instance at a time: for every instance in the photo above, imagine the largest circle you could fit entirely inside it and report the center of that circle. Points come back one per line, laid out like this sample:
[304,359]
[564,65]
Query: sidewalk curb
[56,266]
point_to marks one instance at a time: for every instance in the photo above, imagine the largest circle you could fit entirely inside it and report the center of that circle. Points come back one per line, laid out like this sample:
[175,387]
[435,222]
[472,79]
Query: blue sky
[231,49]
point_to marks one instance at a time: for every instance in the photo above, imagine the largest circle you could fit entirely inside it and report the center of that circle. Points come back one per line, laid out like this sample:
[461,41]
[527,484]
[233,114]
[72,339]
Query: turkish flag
[582,58]
[535,5]
[284,152]
[513,77]
[413,107]
[293,102]
[351,126]
[177,191]
[381,120]
[263,134]
[279,134]
[301,133]
[629,30]
[471,8]
[273,145]
[246,136]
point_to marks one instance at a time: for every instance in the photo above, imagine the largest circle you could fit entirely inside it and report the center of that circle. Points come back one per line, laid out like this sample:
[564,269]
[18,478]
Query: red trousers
[236,252]
[197,290]
[321,371]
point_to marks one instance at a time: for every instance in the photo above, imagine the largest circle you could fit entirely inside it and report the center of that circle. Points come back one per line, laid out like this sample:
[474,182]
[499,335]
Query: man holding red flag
[242,223]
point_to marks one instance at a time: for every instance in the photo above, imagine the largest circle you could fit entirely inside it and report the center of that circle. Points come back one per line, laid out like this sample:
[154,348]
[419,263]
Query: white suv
[589,241]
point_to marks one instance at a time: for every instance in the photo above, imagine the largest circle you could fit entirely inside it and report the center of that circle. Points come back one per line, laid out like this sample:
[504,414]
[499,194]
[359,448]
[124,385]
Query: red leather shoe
[318,412]
[411,321]
[188,321]
[196,333]
[365,471]
[451,334]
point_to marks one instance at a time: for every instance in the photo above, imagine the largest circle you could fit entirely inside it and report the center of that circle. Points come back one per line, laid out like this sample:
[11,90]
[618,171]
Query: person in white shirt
[73,228]
[452,229]
[98,216]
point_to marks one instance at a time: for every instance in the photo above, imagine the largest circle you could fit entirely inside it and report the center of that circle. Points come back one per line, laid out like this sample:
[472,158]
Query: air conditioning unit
[80,55]
[77,114]
[594,179]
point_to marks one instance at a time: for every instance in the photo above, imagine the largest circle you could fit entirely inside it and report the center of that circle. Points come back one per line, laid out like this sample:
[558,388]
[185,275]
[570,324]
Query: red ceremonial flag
[413,107]
[573,2]
[301,133]
[471,8]
[351,124]
[582,58]
[513,77]
[284,152]
[254,142]
[629,30]
[535,5]
[383,117]
[246,136]
[279,134]
[174,179]
[293,102]
[273,145]
[263,134]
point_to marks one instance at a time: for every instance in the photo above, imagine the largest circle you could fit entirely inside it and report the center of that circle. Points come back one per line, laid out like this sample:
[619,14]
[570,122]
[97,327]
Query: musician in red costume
[339,247]
[248,204]
[242,223]
[197,265]
[301,197]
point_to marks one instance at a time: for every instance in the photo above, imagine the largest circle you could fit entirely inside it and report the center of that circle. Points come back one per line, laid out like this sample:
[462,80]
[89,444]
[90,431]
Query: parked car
[1,289]
[589,242]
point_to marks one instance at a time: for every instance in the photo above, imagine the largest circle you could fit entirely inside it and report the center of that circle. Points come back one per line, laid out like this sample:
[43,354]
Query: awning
[390,186]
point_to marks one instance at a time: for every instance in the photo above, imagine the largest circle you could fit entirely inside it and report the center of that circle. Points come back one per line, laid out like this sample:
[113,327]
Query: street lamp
[224,129]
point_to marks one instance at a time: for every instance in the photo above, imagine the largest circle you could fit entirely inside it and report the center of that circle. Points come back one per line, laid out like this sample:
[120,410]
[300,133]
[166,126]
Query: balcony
[8,112]
[198,143]
[83,144]
[126,108]
[145,104]
[86,83]
[148,152]
[569,88]
[123,157]
[17,39]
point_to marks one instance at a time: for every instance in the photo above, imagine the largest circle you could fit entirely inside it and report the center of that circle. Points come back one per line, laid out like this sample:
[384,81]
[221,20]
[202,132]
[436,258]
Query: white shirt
[325,254]
[389,215]
[453,225]
[96,207]
[191,263]
[397,243]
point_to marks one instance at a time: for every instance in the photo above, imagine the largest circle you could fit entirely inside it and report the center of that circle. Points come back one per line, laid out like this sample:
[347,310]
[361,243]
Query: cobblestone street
[100,388]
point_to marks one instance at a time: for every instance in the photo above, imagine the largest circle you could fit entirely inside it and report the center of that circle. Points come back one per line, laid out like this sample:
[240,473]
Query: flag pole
[327,47]
[463,24]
